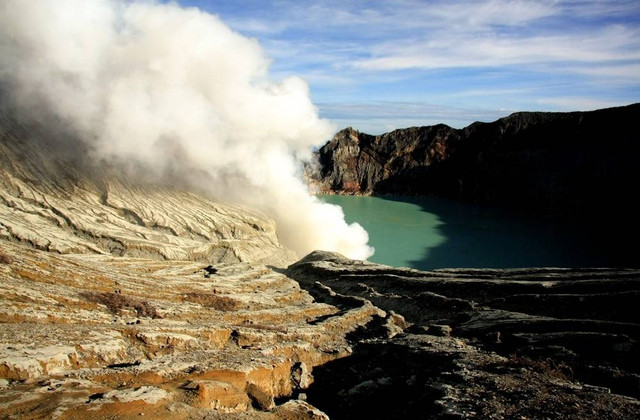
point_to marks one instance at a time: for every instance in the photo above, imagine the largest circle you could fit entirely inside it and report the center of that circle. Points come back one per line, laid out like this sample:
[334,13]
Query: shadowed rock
[482,342]
[578,166]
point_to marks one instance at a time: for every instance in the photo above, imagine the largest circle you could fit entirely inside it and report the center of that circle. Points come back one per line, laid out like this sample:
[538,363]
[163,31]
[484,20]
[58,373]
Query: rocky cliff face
[562,165]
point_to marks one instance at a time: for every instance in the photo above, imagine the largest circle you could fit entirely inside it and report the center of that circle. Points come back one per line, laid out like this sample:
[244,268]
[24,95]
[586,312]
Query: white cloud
[354,47]
[578,103]
[463,50]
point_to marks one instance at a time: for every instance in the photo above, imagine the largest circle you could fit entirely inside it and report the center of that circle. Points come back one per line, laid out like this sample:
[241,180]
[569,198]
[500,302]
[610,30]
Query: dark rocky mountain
[566,166]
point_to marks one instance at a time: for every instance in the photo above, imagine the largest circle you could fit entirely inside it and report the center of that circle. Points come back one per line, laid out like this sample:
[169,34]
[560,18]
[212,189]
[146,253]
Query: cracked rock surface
[501,344]
[85,336]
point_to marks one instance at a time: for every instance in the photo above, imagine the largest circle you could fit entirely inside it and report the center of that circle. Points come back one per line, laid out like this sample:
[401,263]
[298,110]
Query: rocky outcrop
[567,166]
[527,343]
[100,335]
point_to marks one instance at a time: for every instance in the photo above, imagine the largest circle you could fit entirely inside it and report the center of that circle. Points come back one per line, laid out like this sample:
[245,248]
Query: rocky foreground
[99,336]
[104,337]
[121,300]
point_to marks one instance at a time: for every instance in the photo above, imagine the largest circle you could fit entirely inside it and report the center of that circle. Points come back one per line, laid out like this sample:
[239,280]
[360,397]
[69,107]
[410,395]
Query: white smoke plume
[151,82]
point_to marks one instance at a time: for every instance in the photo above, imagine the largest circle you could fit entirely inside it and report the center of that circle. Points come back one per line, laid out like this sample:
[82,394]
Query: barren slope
[59,200]
[121,299]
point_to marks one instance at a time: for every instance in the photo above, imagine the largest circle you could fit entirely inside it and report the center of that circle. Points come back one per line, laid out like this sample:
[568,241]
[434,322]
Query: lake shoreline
[436,232]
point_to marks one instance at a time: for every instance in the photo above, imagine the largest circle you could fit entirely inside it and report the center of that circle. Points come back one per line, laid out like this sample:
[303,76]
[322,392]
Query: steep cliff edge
[565,166]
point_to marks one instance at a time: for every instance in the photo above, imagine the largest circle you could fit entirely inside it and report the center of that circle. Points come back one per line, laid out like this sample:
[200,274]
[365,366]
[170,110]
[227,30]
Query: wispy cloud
[478,15]
[524,53]
[577,103]
[493,48]
[622,73]
[599,9]
[378,117]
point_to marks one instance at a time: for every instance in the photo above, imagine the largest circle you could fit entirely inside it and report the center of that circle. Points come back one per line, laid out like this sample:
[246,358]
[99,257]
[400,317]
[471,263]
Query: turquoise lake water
[428,233]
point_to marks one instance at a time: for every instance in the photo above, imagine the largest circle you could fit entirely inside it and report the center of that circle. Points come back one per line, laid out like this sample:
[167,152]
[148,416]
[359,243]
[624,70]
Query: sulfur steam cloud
[174,88]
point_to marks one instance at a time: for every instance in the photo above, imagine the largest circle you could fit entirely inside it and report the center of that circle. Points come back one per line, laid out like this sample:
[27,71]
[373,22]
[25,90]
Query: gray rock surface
[528,343]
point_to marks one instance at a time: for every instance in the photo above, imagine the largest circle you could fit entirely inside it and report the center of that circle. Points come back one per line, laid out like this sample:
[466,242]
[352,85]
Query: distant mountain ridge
[567,166]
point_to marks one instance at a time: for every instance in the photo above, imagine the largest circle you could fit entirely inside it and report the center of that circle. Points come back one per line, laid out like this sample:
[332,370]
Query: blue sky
[381,65]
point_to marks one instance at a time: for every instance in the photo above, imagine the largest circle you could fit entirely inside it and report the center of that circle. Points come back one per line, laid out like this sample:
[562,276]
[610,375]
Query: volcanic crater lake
[429,232]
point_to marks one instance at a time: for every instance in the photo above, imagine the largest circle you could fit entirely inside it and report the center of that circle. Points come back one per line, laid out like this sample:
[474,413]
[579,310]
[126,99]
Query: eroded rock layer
[61,200]
[122,299]
[98,335]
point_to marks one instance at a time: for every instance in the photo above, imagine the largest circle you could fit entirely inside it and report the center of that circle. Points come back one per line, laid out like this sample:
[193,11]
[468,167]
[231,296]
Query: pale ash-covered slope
[47,203]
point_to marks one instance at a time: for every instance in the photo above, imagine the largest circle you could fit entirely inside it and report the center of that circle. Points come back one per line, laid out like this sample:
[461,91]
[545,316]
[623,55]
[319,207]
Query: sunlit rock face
[561,165]
[85,335]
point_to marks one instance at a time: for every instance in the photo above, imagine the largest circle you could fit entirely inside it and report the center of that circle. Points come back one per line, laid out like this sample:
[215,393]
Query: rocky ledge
[101,336]
[501,344]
